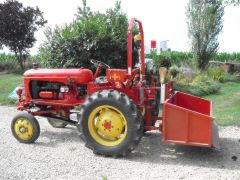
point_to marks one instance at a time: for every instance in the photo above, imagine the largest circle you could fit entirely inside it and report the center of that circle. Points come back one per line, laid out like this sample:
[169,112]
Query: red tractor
[113,113]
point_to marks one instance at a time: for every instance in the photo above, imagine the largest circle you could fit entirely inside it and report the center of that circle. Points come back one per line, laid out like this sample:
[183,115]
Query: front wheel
[25,128]
[110,123]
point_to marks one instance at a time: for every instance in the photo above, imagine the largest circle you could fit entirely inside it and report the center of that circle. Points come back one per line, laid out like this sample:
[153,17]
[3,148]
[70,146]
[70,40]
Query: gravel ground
[60,154]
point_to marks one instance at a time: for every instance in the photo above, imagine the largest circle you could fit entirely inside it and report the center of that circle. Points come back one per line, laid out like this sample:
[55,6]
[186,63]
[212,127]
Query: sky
[162,20]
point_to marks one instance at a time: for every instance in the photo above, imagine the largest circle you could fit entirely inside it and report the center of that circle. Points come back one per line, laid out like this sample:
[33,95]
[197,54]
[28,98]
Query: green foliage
[220,75]
[174,71]
[230,2]
[217,74]
[9,63]
[201,85]
[171,58]
[178,58]
[7,57]
[187,58]
[93,35]
[205,22]
[17,27]
[225,57]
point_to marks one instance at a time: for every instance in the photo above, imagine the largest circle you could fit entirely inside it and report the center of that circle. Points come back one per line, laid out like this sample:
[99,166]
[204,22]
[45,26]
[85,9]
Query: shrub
[174,71]
[93,35]
[224,57]
[186,58]
[200,85]
[220,75]
[174,58]
[8,63]
[216,74]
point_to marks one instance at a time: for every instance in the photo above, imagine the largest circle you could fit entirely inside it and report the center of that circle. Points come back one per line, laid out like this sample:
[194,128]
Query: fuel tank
[79,76]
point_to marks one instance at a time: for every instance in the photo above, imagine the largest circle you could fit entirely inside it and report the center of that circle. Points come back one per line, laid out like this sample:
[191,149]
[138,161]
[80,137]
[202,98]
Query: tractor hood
[78,75]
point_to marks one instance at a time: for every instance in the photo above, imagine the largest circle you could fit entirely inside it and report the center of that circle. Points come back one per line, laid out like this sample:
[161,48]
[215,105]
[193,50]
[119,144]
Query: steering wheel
[97,63]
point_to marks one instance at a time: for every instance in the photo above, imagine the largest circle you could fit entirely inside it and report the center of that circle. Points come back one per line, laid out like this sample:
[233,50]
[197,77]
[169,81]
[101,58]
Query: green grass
[7,83]
[226,104]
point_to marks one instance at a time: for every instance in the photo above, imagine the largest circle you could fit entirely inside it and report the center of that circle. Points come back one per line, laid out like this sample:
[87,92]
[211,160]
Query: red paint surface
[107,125]
[153,44]
[187,120]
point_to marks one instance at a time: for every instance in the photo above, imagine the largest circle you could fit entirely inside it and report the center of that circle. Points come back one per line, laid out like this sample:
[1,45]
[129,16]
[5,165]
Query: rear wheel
[110,123]
[25,128]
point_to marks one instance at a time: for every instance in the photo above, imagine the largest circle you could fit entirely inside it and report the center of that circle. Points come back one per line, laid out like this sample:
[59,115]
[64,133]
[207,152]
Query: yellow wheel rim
[107,125]
[23,129]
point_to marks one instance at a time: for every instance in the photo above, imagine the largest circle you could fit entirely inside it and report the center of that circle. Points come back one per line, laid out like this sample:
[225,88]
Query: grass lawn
[7,83]
[226,104]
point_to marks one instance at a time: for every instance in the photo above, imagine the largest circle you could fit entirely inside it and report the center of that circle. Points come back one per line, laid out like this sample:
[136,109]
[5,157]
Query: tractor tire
[25,128]
[110,123]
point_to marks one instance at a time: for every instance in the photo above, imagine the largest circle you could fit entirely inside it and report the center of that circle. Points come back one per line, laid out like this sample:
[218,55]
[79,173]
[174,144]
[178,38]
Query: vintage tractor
[113,112]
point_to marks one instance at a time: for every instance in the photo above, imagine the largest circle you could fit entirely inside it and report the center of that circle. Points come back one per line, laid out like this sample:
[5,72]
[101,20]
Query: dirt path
[60,154]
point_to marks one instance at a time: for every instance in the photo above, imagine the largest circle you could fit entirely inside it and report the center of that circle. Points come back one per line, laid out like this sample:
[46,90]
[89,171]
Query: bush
[225,57]
[6,57]
[186,58]
[93,35]
[173,58]
[174,71]
[8,63]
[220,75]
[200,85]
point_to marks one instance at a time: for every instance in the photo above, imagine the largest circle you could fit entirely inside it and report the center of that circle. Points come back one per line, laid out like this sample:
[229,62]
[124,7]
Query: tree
[205,23]
[17,27]
[92,35]
[84,12]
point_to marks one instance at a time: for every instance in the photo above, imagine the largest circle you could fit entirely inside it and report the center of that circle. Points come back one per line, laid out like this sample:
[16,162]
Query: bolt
[234,158]
[22,129]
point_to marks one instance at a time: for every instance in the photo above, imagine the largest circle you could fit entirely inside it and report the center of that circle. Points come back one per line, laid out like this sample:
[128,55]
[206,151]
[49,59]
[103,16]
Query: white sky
[162,19]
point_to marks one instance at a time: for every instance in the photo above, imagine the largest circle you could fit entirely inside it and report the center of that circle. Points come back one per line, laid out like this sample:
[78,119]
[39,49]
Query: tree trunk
[19,59]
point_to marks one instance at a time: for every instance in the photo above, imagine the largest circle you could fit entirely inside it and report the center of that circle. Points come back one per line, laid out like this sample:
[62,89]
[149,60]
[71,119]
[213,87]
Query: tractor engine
[55,90]
[56,84]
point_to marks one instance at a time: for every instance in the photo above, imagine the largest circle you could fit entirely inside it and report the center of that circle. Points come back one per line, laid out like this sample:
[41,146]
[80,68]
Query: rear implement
[188,120]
